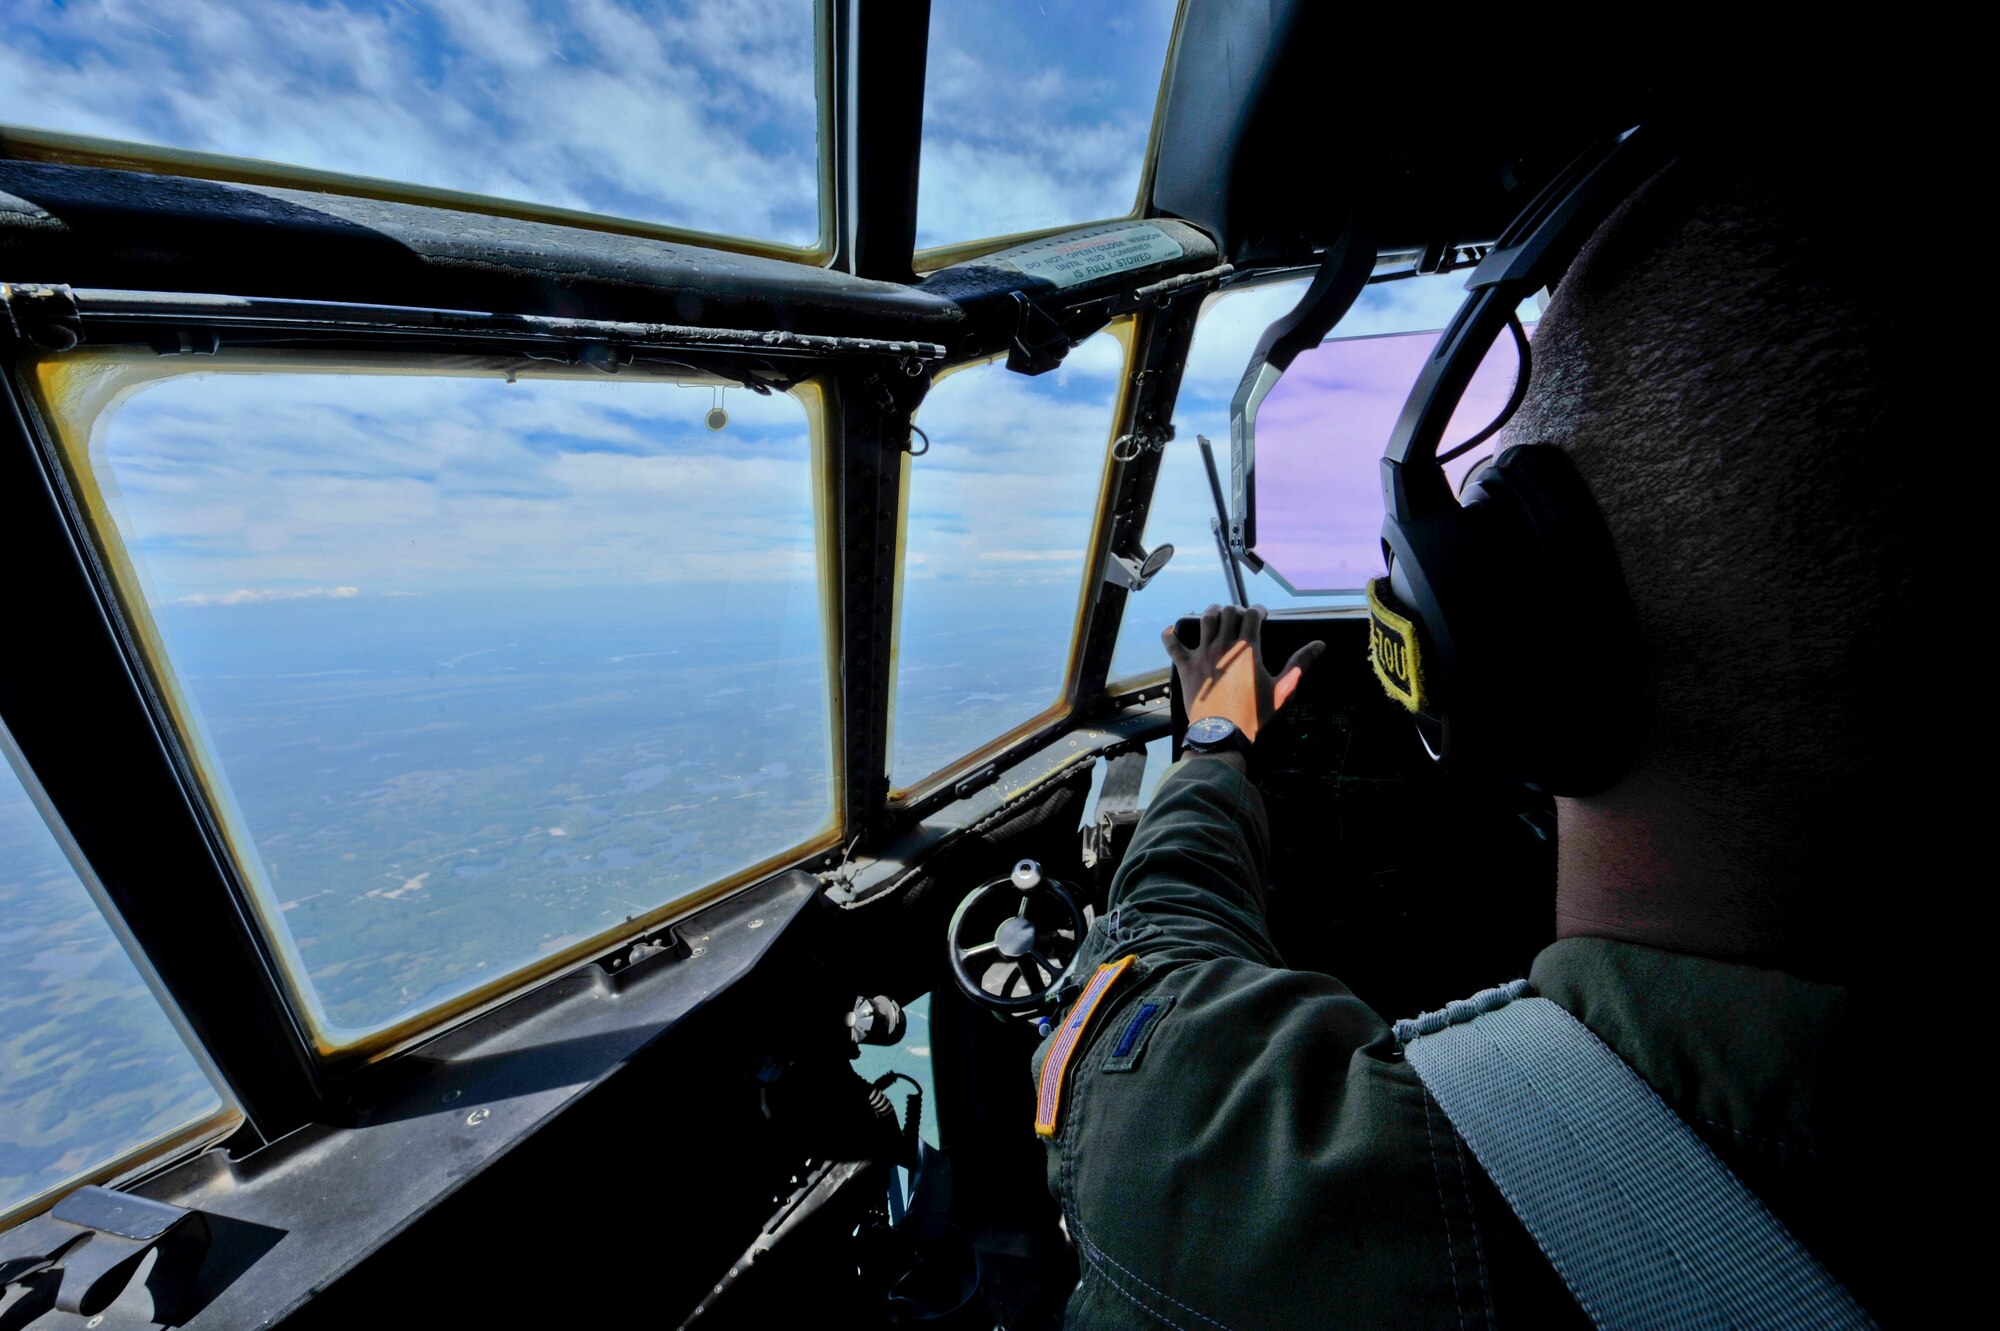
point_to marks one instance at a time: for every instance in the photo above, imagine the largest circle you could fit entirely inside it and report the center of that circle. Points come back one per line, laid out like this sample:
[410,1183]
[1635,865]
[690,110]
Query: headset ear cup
[1554,500]
[1564,527]
[1574,668]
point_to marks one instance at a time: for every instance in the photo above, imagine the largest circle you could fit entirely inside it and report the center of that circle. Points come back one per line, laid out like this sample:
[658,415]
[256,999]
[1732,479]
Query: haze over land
[440,789]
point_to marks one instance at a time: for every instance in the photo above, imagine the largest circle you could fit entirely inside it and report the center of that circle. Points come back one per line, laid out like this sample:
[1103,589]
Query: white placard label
[1099,252]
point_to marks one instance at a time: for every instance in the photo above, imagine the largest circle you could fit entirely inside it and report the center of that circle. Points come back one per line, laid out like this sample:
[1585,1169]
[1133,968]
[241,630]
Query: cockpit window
[1036,115]
[1337,507]
[999,517]
[694,116]
[475,671]
[1182,506]
[92,1070]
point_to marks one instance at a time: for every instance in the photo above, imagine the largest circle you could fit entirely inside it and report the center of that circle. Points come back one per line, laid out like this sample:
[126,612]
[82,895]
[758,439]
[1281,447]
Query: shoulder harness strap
[1642,1221]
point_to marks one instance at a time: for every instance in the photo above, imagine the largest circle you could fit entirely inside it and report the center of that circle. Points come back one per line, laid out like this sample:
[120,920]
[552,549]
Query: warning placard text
[1070,260]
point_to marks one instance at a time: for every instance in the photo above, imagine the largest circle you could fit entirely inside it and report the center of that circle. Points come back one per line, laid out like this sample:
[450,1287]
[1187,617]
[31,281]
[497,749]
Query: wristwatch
[1215,734]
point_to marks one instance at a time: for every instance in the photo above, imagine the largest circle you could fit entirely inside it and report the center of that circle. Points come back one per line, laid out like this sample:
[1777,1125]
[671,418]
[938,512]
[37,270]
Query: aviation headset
[1504,623]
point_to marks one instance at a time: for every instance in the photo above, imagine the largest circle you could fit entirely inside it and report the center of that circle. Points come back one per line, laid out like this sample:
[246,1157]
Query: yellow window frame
[73,394]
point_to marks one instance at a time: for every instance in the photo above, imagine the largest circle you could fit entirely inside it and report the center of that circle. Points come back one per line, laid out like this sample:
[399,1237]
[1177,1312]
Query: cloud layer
[1036,115]
[243,488]
[265,595]
[693,115]
[697,115]
[235,489]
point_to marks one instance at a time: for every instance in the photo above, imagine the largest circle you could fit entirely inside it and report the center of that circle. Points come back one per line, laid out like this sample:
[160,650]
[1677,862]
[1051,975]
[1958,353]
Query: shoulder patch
[1049,1102]
[1139,1028]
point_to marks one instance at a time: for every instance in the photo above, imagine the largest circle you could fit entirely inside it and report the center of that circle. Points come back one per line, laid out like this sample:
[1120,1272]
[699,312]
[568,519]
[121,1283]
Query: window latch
[1041,339]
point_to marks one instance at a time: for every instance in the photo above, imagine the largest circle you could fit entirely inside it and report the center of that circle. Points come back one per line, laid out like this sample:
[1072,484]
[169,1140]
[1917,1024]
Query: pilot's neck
[1657,868]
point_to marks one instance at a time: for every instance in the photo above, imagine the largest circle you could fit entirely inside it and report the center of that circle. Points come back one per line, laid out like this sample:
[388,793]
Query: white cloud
[236,484]
[1096,357]
[1036,115]
[262,595]
[1009,489]
[434,483]
[700,119]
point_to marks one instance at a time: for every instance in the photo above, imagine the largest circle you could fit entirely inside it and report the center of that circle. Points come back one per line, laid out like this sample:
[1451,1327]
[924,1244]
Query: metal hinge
[41,315]
[979,780]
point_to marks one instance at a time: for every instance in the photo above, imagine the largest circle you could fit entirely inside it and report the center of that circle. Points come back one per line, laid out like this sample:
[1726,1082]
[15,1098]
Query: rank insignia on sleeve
[1131,1043]
[1049,1102]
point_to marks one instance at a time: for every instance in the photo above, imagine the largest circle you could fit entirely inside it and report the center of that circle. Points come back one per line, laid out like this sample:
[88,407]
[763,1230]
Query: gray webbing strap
[1117,814]
[1643,1223]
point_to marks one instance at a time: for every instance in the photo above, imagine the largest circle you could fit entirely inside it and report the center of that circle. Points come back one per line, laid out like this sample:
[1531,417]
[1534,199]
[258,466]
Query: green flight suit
[1239,1145]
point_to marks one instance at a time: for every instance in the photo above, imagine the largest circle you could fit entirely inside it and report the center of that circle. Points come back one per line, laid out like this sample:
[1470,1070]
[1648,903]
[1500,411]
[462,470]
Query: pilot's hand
[1224,674]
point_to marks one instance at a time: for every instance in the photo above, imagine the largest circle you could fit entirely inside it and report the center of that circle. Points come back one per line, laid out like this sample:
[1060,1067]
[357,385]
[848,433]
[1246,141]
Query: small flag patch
[1049,1102]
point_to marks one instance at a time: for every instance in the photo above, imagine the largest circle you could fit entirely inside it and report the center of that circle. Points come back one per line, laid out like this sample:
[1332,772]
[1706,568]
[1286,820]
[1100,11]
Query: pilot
[1235,1144]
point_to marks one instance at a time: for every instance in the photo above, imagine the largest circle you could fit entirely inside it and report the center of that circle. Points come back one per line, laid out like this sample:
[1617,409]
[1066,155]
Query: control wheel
[1012,940]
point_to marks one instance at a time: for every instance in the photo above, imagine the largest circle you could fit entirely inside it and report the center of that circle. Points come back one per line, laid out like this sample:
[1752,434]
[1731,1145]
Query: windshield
[1036,115]
[478,669]
[92,1067]
[696,116]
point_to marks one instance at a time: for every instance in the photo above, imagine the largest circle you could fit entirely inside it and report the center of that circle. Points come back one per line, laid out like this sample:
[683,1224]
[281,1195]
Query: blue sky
[698,115]
[688,114]
[1036,112]
[242,488]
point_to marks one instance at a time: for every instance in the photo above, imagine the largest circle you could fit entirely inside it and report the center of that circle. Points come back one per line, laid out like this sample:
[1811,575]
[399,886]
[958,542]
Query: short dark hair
[1725,364]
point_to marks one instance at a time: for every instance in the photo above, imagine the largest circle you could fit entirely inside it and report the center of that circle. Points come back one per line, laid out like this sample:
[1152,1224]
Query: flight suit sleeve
[1232,1143]
[1191,886]
[1189,890]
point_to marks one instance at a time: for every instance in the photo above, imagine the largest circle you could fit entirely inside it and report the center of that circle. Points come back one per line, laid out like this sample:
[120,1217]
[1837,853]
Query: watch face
[1210,730]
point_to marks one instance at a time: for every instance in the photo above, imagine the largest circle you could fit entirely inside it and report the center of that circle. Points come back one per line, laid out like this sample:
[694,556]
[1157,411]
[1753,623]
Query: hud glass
[1315,437]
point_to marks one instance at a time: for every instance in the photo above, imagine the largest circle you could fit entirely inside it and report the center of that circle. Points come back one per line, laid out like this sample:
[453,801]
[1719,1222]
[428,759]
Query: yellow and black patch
[1392,649]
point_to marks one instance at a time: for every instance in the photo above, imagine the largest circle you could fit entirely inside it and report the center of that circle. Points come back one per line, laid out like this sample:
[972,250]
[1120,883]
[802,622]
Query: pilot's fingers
[1303,658]
[1287,682]
[1253,624]
[1211,620]
[1175,652]
[1229,624]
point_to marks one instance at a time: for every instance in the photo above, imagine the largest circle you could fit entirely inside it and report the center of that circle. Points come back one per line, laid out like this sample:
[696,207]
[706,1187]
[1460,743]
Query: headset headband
[1533,251]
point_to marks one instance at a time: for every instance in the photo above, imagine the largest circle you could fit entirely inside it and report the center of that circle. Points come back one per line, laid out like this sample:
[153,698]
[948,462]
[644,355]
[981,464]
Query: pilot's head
[1723,364]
